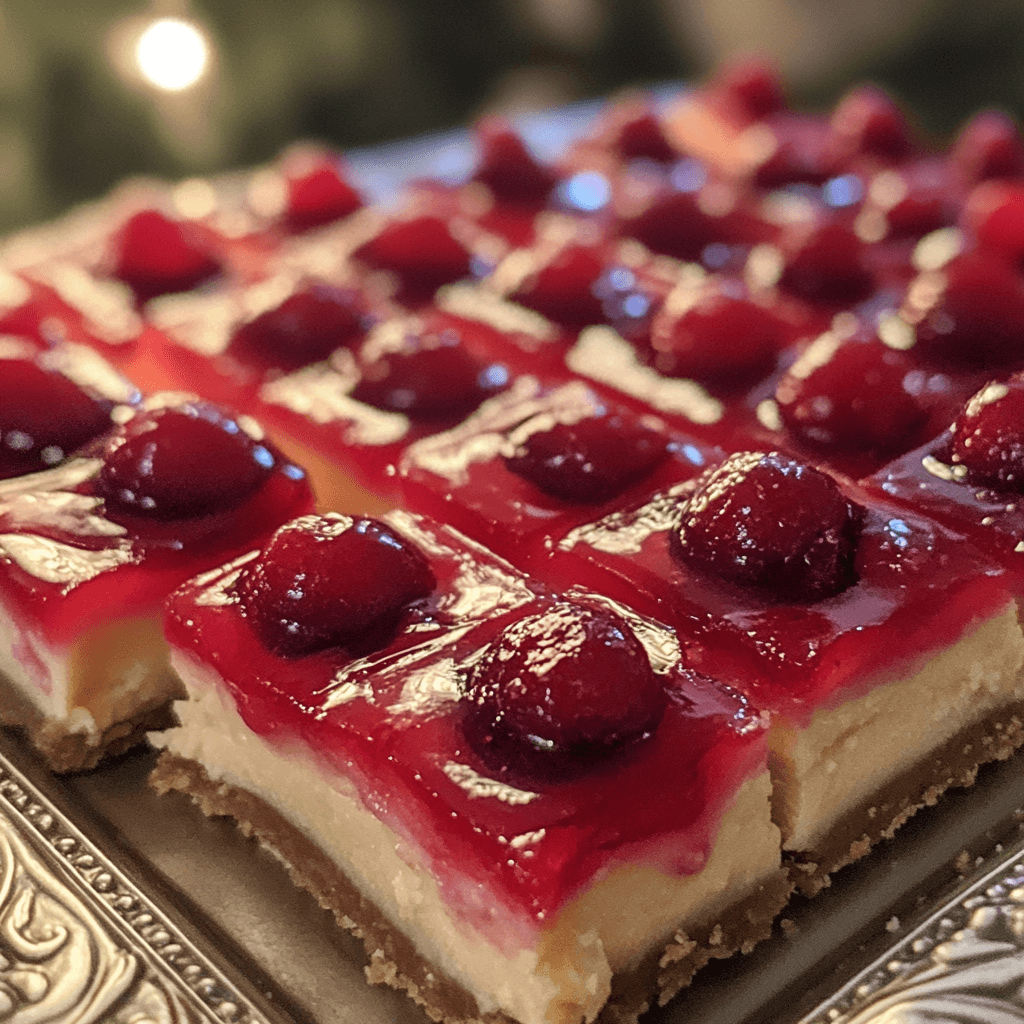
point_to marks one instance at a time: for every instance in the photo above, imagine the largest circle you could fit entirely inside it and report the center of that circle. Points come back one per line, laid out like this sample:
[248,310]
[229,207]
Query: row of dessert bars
[708,441]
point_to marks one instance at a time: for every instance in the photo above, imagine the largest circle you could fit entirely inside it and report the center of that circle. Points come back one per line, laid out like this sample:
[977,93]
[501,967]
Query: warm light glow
[172,54]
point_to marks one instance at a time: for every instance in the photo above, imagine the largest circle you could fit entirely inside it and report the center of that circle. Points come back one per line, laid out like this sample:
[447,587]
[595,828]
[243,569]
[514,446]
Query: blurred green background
[75,115]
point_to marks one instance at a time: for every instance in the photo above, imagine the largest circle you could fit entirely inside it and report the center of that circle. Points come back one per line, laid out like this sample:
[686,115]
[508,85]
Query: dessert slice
[885,646]
[535,461]
[523,802]
[90,548]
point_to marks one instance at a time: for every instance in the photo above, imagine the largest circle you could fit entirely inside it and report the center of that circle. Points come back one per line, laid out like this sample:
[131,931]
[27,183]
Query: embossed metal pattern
[963,965]
[80,942]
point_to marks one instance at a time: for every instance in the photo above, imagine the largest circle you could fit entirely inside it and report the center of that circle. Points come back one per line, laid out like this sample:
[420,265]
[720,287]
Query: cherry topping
[722,337]
[771,524]
[332,581]
[319,197]
[867,121]
[569,680]
[423,253]
[798,155]
[750,88]
[970,313]
[642,138]
[564,288]
[921,200]
[988,436]
[307,327]
[851,396]
[158,256]
[588,461]
[44,417]
[180,462]
[995,212]
[989,146]
[826,264]
[675,225]
[508,168]
[430,376]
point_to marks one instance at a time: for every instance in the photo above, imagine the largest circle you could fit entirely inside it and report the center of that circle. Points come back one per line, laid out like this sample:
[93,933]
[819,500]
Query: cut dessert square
[535,461]
[139,498]
[420,753]
[885,647]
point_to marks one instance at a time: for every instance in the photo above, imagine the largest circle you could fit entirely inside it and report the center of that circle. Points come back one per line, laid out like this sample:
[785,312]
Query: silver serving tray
[119,905]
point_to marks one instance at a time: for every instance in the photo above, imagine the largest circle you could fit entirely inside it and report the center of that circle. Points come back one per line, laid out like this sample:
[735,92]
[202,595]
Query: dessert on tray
[513,843]
[107,503]
[706,439]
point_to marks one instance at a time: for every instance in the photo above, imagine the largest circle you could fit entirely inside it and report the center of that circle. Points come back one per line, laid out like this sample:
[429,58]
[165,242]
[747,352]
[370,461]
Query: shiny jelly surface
[69,561]
[398,723]
[915,587]
[537,460]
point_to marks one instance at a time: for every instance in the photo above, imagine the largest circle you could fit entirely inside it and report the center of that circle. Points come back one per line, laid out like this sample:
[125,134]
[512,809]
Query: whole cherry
[851,395]
[571,679]
[988,436]
[155,255]
[307,327]
[44,417]
[332,581]
[591,460]
[180,461]
[770,524]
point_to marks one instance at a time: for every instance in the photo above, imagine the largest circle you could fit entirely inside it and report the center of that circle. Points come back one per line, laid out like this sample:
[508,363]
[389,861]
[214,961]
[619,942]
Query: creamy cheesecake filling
[70,699]
[560,973]
[825,771]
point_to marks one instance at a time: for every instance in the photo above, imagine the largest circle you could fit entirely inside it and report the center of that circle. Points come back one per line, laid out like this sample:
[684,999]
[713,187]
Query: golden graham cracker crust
[393,959]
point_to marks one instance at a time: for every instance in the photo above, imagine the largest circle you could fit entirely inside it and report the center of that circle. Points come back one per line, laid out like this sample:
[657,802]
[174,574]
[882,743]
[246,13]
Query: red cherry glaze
[772,524]
[568,680]
[565,289]
[181,462]
[318,197]
[591,460]
[307,327]
[867,122]
[852,396]
[970,314]
[988,436]
[430,375]
[409,754]
[722,338]
[155,255]
[331,581]
[44,417]
[508,168]
[423,253]
[989,146]
[826,264]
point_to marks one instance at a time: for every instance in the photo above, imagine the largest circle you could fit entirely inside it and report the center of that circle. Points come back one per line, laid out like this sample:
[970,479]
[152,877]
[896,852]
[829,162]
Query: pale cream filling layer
[829,768]
[107,675]
[562,974]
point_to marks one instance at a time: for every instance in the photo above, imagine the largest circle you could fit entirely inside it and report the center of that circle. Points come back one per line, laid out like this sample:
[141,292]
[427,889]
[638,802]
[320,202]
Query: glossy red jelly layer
[532,833]
[70,563]
[537,461]
[969,476]
[917,587]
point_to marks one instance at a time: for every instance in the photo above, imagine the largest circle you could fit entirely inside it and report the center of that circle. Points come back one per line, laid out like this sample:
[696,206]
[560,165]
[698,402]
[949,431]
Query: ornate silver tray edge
[80,940]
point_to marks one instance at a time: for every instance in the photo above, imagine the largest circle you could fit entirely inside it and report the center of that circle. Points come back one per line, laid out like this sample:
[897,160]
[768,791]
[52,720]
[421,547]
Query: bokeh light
[172,54]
